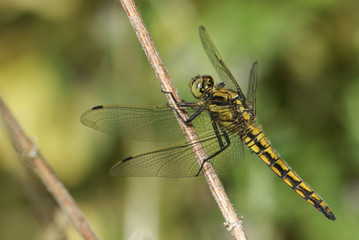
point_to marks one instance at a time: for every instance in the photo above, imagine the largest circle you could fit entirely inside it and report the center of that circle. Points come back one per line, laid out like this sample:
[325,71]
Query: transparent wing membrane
[217,61]
[252,86]
[145,123]
[178,160]
[137,122]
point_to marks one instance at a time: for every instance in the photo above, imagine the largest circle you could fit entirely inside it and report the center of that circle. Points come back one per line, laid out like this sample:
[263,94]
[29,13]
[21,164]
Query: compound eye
[196,86]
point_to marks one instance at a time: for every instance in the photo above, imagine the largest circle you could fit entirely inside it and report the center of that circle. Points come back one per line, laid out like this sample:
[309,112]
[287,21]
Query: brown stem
[29,151]
[233,223]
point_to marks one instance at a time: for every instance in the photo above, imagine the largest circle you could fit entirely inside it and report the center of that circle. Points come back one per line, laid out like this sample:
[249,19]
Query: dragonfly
[224,118]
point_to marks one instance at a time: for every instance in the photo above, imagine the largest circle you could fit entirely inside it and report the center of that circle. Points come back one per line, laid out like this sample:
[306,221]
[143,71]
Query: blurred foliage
[59,58]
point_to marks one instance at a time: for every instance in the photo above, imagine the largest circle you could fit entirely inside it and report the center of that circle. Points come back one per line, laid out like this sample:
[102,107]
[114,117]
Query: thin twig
[233,223]
[29,151]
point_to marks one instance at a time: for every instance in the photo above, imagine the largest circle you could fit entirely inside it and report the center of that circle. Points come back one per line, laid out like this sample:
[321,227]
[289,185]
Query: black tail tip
[329,214]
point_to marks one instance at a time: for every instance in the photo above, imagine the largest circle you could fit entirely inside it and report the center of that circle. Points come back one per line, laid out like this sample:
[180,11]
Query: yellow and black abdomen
[254,138]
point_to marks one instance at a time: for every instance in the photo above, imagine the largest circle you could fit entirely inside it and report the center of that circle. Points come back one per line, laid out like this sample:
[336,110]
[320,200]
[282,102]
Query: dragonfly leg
[222,145]
[193,116]
[172,96]
[186,104]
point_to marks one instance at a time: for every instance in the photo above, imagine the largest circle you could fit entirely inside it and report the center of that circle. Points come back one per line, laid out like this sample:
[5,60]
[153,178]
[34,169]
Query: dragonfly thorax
[200,85]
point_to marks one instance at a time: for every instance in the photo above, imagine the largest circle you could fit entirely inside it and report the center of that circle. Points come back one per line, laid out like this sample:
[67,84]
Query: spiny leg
[198,111]
[222,145]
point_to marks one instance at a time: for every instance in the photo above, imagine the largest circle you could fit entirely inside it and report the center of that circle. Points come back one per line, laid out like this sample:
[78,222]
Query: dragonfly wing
[174,161]
[233,155]
[217,61]
[178,160]
[145,123]
[252,86]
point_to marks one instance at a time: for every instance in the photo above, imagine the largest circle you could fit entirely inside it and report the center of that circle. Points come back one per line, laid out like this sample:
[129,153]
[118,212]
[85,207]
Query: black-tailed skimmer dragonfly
[224,119]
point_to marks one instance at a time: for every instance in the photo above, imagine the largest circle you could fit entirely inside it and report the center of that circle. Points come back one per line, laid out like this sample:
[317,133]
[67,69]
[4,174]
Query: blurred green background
[59,58]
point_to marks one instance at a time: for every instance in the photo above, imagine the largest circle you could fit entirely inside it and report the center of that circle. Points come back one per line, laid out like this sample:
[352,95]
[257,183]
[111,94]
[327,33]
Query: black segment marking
[252,137]
[306,193]
[283,172]
[260,146]
[316,202]
[263,150]
[292,181]
[270,158]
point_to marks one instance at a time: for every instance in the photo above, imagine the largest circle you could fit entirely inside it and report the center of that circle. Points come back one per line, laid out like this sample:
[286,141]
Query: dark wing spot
[97,107]
[126,159]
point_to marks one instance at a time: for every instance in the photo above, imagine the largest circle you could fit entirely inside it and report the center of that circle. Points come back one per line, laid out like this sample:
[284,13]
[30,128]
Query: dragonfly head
[200,85]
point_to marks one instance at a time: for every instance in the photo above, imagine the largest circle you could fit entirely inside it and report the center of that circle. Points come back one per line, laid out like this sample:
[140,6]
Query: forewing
[145,123]
[217,61]
[252,86]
